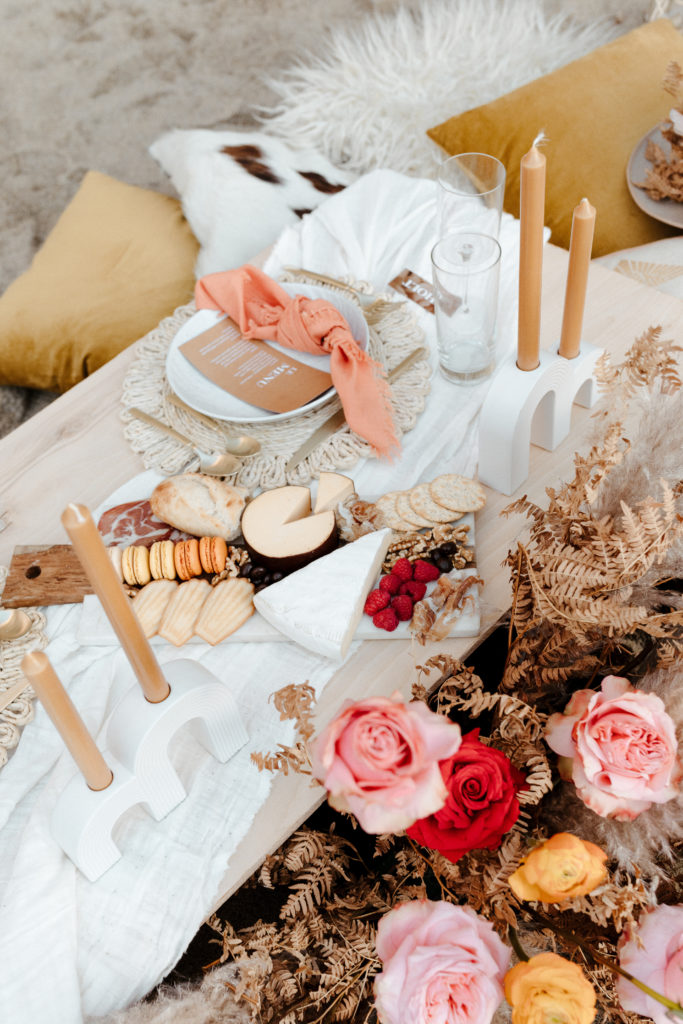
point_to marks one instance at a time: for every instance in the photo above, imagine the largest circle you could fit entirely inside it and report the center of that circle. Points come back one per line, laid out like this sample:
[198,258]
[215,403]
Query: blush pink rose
[441,964]
[379,759]
[618,747]
[653,953]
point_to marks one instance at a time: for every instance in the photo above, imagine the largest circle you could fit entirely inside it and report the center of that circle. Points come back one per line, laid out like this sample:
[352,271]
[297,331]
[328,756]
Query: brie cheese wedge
[320,606]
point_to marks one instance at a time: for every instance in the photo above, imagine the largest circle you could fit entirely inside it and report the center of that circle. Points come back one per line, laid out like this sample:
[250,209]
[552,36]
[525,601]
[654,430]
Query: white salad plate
[201,394]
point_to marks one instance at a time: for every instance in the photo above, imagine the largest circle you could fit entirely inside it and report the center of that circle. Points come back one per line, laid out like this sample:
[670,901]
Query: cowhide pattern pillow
[240,189]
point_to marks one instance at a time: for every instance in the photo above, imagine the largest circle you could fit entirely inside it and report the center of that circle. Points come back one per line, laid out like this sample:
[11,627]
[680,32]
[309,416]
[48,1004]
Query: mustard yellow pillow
[119,259]
[593,112]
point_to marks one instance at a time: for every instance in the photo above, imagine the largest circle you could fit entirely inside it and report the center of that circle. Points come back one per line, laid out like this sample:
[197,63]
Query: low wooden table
[74,450]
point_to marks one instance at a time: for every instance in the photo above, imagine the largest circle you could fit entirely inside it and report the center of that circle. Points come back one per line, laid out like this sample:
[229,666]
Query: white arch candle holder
[138,736]
[526,407]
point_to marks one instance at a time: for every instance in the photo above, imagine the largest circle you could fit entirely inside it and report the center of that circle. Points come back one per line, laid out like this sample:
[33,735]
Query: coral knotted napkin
[262,309]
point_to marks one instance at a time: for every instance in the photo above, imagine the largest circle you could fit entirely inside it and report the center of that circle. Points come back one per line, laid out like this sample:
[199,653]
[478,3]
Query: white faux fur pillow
[240,189]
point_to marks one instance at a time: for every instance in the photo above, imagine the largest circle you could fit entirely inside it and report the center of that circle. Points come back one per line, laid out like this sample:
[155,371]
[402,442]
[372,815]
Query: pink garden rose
[442,964]
[379,759]
[653,953]
[618,747]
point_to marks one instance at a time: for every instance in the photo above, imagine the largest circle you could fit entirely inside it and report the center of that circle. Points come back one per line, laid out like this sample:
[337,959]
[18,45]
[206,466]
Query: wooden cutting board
[47,574]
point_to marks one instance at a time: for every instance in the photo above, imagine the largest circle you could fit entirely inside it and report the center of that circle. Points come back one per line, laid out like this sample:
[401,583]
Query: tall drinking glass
[470,194]
[465,270]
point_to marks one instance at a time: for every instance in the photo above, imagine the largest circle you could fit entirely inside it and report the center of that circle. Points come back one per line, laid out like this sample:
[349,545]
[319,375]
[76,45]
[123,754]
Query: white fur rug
[368,100]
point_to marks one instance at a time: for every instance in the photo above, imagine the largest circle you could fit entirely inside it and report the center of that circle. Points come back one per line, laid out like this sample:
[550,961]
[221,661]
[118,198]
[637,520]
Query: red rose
[481,805]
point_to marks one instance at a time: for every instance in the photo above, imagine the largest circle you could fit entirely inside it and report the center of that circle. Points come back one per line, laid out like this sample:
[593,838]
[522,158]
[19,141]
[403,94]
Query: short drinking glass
[465,271]
[470,194]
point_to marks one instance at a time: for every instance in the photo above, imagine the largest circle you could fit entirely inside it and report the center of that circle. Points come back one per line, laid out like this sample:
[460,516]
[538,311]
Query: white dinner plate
[201,394]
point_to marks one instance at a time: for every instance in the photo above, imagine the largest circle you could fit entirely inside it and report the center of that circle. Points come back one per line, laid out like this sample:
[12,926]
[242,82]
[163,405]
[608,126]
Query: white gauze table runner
[72,949]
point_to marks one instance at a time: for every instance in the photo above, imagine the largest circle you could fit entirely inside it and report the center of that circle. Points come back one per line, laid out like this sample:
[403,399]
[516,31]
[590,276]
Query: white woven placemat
[396,334]
[20,711]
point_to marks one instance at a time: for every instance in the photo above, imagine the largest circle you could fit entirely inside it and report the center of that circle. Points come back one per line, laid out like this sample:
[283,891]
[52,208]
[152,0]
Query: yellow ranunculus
[549,990]
[562,867]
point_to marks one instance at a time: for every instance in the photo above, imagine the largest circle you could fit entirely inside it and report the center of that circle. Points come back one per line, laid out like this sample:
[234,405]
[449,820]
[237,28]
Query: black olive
[443,563]
[449,548]
[276,576]
[246,569]
[257,574]
[259,586]
[437,552]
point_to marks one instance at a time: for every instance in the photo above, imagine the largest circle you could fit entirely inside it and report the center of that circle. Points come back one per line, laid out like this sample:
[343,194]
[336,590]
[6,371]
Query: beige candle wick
[71,727]
[98,567]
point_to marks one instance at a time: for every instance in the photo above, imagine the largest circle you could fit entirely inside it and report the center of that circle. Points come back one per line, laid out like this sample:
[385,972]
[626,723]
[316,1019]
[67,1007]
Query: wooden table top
[74,451]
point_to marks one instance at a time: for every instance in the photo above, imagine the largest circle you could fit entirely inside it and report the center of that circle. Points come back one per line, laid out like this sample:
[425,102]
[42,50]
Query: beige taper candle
[71,727]
[580,249]
[531,217]
[88,545]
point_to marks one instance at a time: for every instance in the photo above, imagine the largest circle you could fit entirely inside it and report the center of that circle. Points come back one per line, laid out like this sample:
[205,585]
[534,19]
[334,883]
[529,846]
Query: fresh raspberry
[425,572]
[403,607]
[403,569]
[390,584]
[415,589]
[386,619]
[375,601]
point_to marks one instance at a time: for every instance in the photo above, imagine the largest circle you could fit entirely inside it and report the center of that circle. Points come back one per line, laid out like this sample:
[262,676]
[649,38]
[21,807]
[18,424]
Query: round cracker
[422,502]
[407,512]
[458,493]
[387,506]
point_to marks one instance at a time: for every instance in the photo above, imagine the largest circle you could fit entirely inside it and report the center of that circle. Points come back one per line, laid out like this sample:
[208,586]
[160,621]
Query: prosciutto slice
[133,522]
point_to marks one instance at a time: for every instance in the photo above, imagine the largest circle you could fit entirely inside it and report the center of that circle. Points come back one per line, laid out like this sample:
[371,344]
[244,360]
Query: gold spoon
[211,463]
[243,445]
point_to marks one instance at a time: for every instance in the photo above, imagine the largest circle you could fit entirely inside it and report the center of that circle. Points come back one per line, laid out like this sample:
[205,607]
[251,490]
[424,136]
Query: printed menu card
[253,371]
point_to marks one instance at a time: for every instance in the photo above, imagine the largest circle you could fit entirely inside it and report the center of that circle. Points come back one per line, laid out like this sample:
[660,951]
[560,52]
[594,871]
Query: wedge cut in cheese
[332,488]
[280,532]
[320,606]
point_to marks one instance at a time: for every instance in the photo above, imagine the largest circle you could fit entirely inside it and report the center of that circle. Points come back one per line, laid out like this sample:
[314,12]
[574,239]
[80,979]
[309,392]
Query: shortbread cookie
[458,493]
[227,607]
[149,604]
[182,611]
[408,513]
[422,502]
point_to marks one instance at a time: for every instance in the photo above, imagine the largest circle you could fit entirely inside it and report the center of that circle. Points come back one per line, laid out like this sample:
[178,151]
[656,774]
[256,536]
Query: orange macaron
[213,554]
[186,557]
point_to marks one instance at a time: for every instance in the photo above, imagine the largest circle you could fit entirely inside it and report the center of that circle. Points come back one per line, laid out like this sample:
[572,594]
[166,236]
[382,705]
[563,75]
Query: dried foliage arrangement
[590,592]
[592,596]
[664,180]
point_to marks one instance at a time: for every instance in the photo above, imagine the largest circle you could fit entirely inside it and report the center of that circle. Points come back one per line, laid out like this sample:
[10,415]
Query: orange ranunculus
[549,988]
[562,867]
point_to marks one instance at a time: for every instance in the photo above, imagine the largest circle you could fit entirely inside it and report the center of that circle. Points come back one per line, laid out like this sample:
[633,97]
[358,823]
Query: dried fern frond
[296,702]
[648,362]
